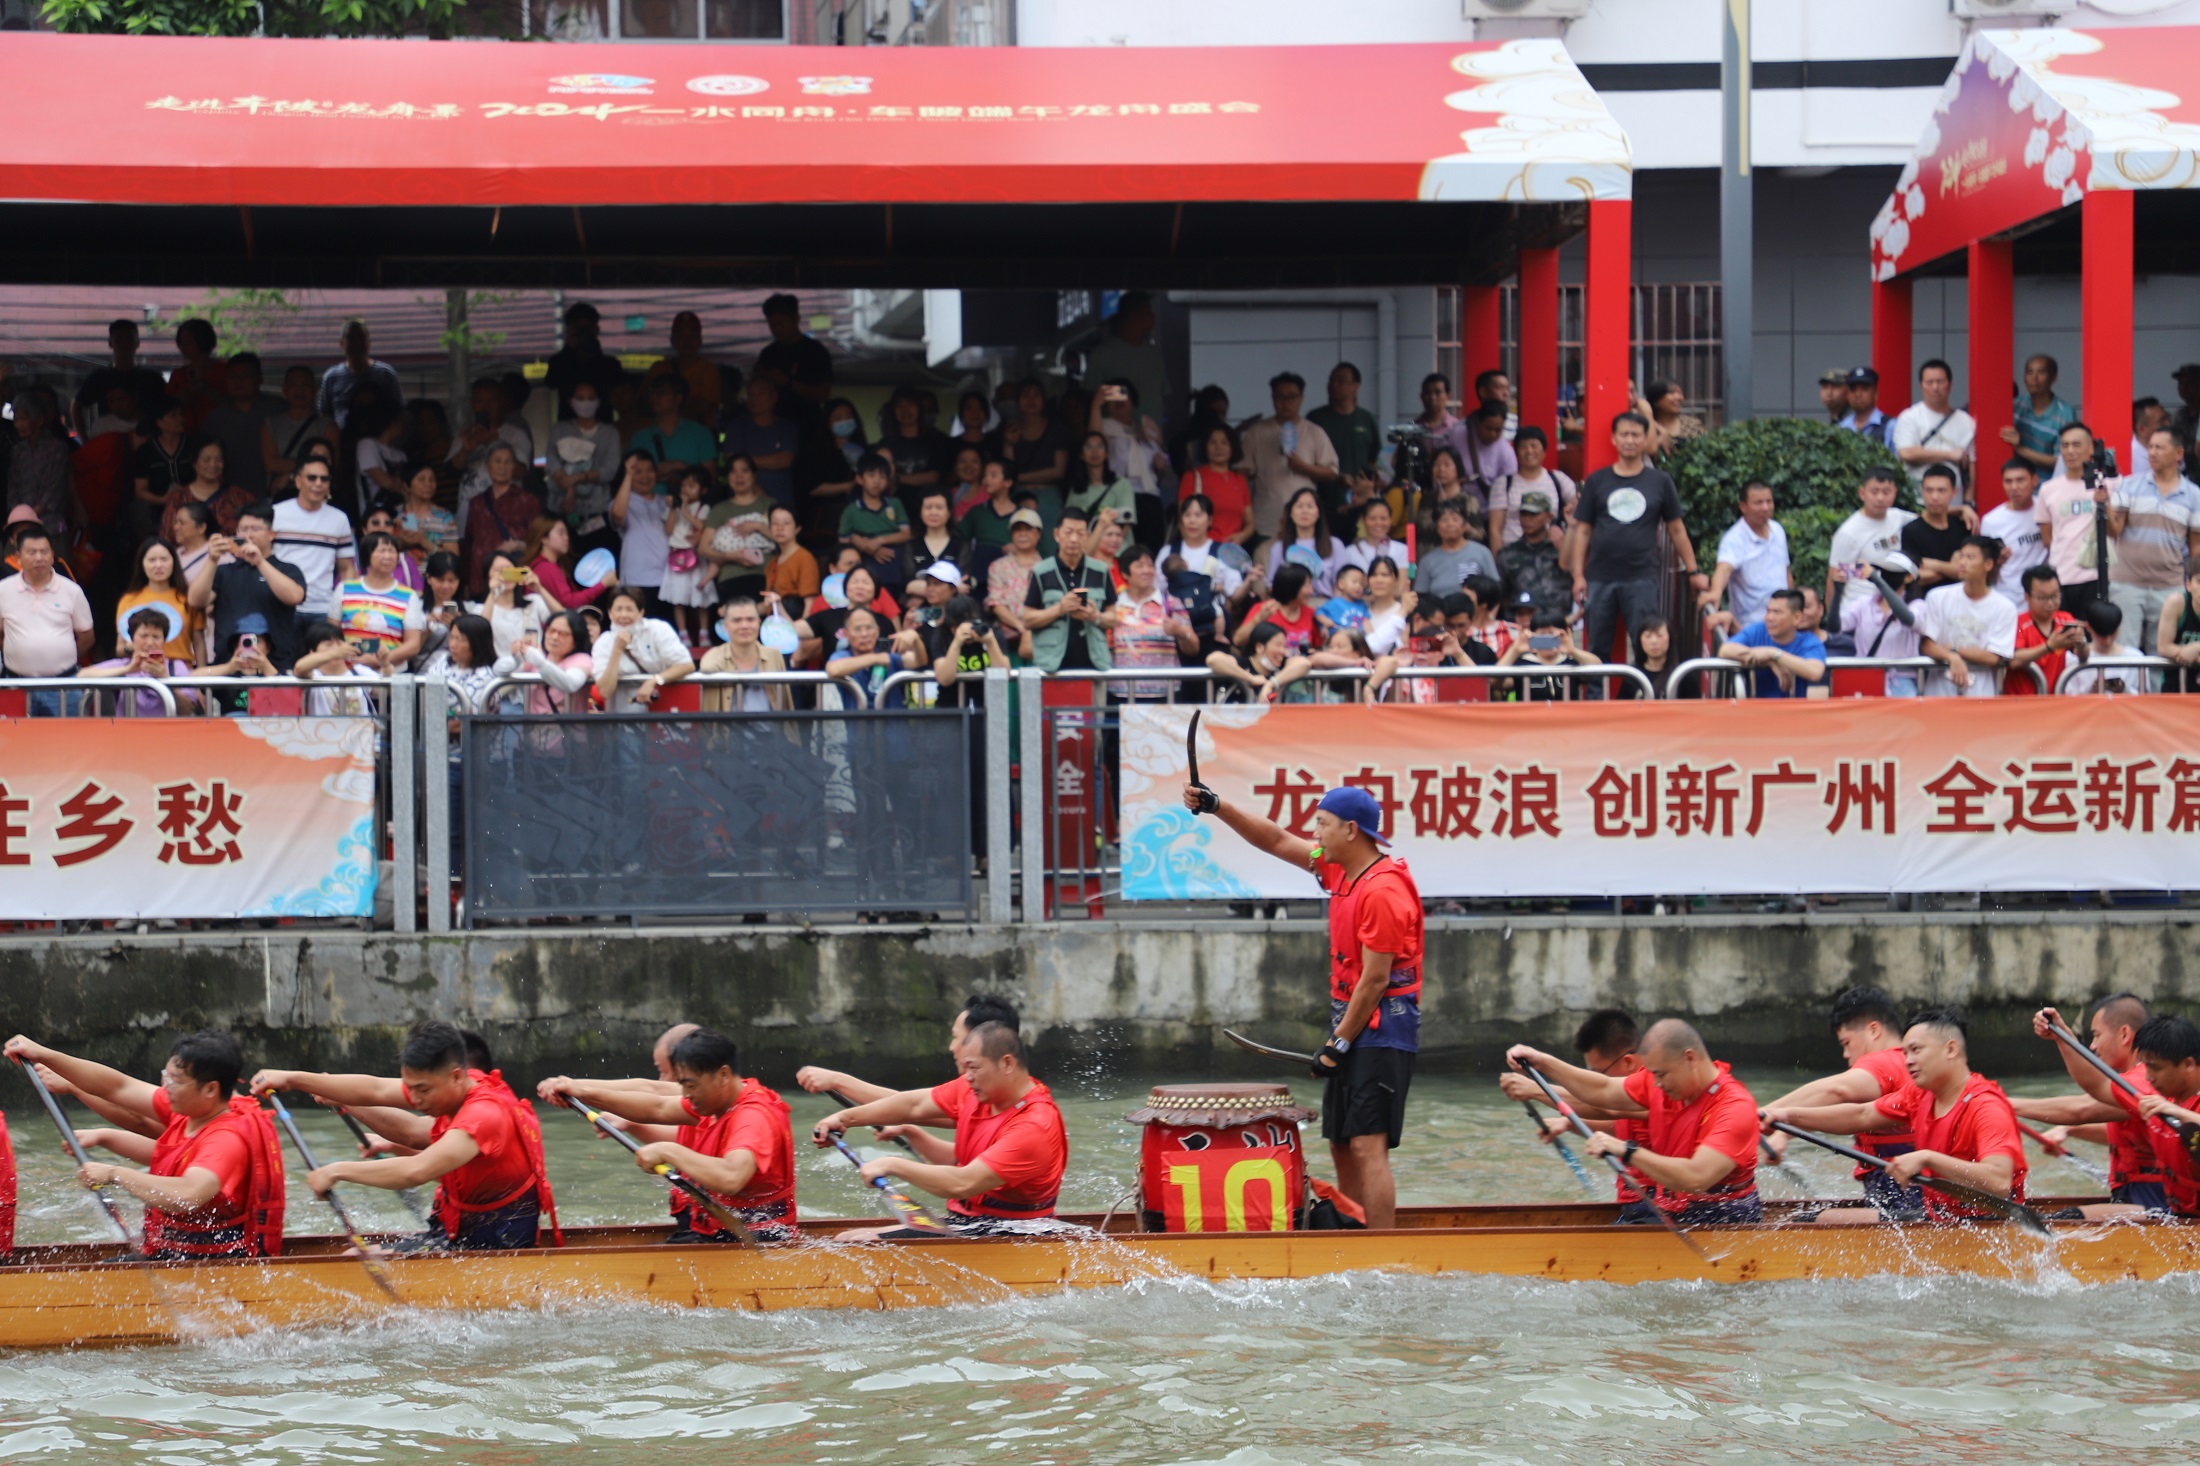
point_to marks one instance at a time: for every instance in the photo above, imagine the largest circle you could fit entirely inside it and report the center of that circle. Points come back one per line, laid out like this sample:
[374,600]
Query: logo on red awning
[599,83]
[728,85]
[835,86]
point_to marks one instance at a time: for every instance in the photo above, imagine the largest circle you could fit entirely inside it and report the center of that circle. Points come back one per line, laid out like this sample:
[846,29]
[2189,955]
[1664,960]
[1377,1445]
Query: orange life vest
[254,1231]
[450,1210]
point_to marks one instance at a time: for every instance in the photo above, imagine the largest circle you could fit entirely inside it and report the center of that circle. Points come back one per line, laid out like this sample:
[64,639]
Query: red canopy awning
[155,120]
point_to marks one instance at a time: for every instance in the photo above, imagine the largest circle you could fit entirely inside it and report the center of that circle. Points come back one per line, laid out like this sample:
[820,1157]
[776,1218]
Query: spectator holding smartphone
[2046,635]
[147,656]
[1069,607]
[1549,643]
[250,591]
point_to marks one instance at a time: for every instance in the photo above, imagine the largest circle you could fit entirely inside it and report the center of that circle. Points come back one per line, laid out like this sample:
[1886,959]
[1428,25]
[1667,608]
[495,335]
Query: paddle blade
[2009,1211]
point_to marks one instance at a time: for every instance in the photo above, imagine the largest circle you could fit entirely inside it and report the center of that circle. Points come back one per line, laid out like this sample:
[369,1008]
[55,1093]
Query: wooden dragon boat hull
[78,1296]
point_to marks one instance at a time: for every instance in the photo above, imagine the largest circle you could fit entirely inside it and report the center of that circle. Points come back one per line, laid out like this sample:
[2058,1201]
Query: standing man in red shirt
[1960,1122]
[214,1187]
[1695,1143]
[1010,1145]
[469,1133]
[1375,942]
[2135,1177]
[1870,1035]
[728,1134]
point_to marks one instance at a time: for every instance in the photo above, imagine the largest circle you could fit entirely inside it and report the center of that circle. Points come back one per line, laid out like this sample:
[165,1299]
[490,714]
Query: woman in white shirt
[515,608]
[635,646]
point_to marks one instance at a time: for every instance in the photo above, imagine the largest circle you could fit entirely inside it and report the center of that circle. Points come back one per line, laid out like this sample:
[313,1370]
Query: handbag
[680,562]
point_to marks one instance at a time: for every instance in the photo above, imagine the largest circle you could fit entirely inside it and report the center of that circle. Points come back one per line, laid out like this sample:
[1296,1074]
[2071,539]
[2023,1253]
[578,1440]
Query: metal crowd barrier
[2072,667]
[83,686]
[1725,667]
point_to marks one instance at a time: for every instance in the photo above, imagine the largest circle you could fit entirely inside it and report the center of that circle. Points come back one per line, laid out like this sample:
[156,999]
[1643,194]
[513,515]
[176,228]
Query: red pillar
[1537,389]
[1610,325]
[1481,338]
[2105,296]
[1993,358]
[1891,342]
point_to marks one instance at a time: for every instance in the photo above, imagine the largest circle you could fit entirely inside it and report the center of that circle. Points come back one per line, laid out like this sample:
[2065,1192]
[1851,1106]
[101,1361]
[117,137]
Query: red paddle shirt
[1980,1124]
[1893,1074]
[2180,1173]
[220,1146]
[502,1172]
[1723,1117]
[2131,1157]
[757,1123]
[1025,1145]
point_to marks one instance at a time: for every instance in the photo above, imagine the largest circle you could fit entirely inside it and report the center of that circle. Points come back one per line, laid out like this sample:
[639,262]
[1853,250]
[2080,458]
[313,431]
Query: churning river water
[1319,1373]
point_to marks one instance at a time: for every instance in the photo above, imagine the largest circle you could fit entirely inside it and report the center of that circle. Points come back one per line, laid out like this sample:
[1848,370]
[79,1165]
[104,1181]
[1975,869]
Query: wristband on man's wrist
[1627,1156]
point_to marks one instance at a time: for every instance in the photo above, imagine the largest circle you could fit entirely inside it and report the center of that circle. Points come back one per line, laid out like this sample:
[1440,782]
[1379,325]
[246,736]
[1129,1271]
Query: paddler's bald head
[661,1054]
[1676,1057]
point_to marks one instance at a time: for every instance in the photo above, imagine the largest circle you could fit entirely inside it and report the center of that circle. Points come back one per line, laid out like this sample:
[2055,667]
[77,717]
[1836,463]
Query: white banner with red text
[1703,798]
[186,817]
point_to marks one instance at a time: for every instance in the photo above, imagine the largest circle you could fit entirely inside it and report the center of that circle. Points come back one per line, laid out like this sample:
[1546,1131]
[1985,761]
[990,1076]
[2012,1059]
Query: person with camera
[2076,519]
[1549,643]
[249,590]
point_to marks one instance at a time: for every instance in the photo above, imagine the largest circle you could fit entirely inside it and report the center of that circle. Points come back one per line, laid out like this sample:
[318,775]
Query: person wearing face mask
[584,471]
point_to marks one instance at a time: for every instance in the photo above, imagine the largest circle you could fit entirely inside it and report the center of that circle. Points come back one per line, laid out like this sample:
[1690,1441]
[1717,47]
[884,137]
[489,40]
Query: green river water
[1336,1370]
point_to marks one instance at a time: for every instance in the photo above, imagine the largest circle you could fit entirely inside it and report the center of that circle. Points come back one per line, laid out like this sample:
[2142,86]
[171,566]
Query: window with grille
[1677,331]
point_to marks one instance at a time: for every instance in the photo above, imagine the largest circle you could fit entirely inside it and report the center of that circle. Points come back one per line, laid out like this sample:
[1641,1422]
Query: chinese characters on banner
[258,106]
[1707,798]
[176,818]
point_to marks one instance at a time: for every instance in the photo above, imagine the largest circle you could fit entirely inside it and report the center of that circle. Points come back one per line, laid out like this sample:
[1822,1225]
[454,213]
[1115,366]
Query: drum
[1195,1120]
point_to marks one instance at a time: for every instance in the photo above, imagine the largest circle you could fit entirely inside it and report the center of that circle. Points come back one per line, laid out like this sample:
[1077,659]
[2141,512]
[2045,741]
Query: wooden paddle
[1779,1163]
[374,1268]
[1581,1126]
[912,1213]
[1581,1172]
[68,1138]
[2000,1206]
[2062,1152]
[849,1104]
[2085,1052]
[132,1248]
[408,1196]
[671,1177]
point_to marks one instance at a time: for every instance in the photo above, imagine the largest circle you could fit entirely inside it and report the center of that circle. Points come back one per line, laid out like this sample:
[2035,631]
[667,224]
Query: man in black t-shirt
[800,364]
[1932,539]
[253,592]
[1614,555]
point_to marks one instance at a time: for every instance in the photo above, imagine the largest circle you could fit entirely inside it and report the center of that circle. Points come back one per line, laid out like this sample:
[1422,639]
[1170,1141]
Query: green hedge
[1813,469]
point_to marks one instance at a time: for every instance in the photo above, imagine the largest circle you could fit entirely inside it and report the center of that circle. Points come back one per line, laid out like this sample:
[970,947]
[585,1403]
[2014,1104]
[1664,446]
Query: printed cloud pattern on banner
[2030,122]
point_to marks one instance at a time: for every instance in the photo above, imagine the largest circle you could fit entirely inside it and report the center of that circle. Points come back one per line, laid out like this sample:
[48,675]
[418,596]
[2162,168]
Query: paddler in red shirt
[976,1009]
[1870,1034]
[469,1132]
[2166,1112]
[1010,1146]
[2134,1175]
[1695,1138]
[1608,1042]
[214,1187]
[1959,1121]
[1375,943]
[728,1134]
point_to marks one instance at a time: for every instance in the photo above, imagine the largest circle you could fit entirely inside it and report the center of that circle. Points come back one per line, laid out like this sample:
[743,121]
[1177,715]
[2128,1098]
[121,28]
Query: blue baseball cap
[1347,802]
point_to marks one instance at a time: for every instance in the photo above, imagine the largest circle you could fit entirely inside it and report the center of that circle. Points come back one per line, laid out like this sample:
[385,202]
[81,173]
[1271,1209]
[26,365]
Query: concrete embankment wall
[1150,999]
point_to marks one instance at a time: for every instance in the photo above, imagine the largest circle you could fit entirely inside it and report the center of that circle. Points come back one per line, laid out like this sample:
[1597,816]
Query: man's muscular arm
[1263,835]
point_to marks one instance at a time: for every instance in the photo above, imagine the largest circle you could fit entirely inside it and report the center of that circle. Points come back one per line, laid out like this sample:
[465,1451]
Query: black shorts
[1367,1096]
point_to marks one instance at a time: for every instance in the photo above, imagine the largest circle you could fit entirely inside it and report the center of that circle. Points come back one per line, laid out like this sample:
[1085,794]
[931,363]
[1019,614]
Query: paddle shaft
[335,1202]
[2060,1151]
[1619,1170]
[366,1141]
[849,1104]
[1581,1172]
[2015,1211]
[907,1207]
[667,1174]
[2085,1052]
[68,1137]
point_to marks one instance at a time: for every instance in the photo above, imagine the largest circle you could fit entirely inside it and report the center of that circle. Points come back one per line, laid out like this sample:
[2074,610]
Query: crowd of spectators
[707,516]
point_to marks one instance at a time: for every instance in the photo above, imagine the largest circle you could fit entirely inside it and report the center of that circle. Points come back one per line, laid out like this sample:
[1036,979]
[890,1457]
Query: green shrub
[1813,469]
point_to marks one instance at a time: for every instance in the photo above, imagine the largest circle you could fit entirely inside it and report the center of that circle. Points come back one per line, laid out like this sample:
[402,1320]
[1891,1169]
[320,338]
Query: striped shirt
[314,542]
[2151,550]
[378,619]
